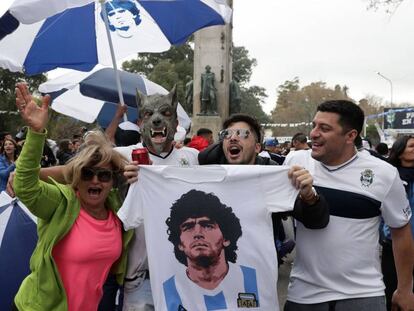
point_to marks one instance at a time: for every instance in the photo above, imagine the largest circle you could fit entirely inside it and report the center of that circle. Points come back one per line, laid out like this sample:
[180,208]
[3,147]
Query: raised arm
[111,129]
[38,196]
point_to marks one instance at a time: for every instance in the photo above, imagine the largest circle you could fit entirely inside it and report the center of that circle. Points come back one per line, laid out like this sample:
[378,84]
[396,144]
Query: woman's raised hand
[35,116]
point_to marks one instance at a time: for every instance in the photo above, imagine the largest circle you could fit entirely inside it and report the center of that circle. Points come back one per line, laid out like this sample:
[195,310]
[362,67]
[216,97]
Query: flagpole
[111,48]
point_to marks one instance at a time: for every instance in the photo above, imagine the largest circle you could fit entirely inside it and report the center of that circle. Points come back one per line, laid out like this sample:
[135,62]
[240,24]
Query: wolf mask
[158,115]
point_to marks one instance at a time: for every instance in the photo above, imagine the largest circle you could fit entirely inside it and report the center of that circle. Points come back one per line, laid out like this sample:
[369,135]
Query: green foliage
[61,126]
[242,65]
[372,134]
[8,80]
[296,104]
[252,99]
[166,69]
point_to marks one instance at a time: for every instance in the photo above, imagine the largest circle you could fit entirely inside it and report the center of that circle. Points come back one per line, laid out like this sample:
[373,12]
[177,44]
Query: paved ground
[284,270]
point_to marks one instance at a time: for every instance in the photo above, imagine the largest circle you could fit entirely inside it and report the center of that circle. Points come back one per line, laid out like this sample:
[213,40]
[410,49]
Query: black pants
[389,272]
[110,290]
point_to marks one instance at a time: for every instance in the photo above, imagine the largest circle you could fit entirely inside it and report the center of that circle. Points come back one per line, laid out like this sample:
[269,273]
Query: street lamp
[390,82]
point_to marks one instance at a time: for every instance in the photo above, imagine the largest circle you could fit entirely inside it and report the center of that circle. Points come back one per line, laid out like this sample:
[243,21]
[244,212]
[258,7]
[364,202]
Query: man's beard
[205,261]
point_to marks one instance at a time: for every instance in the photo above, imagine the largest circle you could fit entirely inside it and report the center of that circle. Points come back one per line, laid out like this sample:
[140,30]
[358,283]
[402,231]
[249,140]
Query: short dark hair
[251,121]
[382,149]
[300,137]
[4,134]
[204,131]
[64,145]
[195,204]
[351,116]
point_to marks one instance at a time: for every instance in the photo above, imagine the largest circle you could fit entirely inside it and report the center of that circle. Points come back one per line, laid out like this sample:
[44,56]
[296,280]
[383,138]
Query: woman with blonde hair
[80,237]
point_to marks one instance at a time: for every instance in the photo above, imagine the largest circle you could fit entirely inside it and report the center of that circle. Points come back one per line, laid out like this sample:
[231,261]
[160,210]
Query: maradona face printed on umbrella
[123,17]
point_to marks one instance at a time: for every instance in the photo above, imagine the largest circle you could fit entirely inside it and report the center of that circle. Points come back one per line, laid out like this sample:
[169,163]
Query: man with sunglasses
[240,144]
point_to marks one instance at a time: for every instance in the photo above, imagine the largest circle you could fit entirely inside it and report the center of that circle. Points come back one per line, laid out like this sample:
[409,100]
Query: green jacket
[56,208]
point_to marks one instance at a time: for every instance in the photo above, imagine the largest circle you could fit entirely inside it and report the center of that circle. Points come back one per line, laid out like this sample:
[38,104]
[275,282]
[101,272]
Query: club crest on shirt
[247,300]
[184,162]
[407,212]
[367,177]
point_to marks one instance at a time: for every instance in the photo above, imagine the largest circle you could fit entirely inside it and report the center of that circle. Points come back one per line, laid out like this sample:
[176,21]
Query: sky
[335,41]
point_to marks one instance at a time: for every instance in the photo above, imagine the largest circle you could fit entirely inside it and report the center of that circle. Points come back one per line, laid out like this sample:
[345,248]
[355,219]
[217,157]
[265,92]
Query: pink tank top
[84,257]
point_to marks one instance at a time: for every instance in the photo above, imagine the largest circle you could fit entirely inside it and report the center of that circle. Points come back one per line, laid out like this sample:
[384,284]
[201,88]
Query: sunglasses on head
[103,174]
[228,133]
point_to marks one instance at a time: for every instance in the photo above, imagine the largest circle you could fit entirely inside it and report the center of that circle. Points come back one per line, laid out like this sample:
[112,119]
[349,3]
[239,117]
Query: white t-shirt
[137,254]
[253,192]
[341,261]
[181,157]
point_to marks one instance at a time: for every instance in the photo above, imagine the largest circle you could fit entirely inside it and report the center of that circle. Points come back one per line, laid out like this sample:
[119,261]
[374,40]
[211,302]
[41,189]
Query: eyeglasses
[228,133]
[103,174]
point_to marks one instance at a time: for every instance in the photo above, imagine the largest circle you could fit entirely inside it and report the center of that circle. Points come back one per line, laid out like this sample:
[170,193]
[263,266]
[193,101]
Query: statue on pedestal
[208,93]
[235,97]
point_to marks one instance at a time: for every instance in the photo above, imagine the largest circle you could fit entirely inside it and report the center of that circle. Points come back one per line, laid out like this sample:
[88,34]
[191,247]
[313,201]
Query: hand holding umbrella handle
[34,116]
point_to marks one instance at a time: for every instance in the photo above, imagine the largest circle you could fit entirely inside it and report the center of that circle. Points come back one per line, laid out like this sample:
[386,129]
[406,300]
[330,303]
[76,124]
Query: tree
[242,65]
[9,120]
[251,103]
[297,105]
[167,68]
[285,90]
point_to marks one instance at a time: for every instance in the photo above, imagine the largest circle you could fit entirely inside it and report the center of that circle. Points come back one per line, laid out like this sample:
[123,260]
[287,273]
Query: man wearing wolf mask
[158,124]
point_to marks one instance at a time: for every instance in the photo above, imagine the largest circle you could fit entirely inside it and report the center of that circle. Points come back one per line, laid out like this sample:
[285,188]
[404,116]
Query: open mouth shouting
[158,136]
[94,192]
[234,151]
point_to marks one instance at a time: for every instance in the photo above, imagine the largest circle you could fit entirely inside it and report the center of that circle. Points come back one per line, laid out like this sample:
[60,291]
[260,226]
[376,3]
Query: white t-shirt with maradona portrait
[252,192]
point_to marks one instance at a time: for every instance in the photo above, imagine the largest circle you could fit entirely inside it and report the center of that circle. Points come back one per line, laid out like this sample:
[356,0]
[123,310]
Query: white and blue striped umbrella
[40,35]
[18,238]
[88,96]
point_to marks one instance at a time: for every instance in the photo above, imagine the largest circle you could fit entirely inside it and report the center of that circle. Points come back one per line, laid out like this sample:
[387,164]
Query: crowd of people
[92,253]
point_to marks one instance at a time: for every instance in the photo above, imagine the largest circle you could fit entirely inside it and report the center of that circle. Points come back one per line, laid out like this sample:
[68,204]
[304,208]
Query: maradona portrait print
[204,233]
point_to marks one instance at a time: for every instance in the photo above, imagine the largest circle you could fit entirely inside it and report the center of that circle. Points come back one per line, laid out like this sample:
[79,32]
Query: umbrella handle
[111,48]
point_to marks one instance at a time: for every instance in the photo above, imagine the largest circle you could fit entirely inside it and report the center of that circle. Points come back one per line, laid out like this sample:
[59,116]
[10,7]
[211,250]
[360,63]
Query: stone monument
[212,77]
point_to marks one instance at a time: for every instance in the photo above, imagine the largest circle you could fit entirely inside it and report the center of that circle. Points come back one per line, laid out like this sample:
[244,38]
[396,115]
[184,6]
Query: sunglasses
[228,133]
[103,174]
